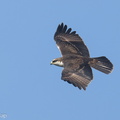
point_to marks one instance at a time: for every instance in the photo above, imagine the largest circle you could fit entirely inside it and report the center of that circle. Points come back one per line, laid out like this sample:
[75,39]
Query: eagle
[76,59]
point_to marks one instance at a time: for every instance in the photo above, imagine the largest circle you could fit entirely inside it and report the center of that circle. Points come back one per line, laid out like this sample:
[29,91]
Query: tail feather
[102,64]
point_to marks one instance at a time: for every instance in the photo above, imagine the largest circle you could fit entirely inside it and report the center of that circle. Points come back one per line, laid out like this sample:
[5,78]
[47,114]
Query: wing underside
[69,42]
[80,78]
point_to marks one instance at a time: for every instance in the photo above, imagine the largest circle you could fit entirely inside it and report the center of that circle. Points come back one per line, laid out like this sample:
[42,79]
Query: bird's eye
[54,61]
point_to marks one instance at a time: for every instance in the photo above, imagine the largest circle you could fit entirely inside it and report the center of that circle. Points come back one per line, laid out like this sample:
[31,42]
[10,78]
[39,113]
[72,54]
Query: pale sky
[32,89]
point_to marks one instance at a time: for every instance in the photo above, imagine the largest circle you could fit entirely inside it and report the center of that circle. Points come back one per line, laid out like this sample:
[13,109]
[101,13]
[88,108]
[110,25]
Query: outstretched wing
[80,78]
[69,42]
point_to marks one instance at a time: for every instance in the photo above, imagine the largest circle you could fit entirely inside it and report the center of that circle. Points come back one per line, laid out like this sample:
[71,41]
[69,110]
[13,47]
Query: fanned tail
[102,64]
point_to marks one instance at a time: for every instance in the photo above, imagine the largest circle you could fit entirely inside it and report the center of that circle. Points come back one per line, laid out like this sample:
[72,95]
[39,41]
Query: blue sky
[30,87]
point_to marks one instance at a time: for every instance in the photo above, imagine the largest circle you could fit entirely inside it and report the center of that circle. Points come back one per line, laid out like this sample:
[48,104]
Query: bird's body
[76,59]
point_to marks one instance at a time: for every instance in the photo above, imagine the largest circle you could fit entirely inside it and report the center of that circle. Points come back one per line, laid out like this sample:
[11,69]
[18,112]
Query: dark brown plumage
[76,59]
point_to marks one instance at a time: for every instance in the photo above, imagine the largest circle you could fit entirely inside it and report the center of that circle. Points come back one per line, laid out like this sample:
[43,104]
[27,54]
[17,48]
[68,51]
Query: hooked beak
[51,63]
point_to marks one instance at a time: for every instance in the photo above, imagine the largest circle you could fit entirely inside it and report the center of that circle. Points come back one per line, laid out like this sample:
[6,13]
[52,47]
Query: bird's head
[57,62]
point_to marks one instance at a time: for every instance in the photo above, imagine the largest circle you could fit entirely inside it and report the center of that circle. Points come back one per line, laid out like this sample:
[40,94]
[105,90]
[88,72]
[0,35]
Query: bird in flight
[76,59]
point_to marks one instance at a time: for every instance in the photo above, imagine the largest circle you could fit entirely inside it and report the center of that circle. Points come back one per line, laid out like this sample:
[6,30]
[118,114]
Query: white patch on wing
[59,49]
